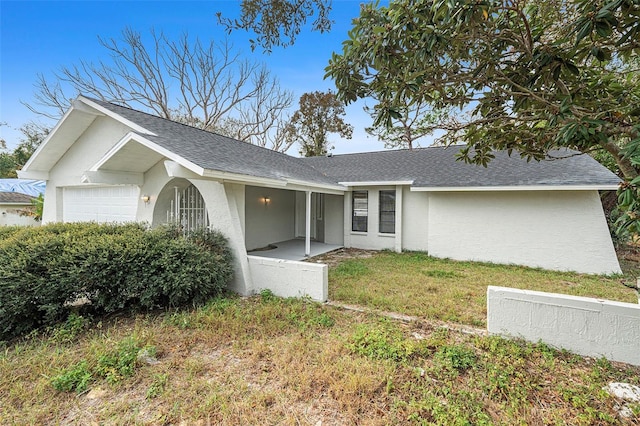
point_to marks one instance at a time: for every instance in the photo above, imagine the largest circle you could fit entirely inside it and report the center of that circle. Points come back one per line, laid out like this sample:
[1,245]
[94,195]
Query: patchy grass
[266,360]
[415,284]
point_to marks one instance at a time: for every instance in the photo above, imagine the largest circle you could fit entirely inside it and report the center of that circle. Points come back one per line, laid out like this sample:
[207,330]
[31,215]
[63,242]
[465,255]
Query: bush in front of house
[115,267]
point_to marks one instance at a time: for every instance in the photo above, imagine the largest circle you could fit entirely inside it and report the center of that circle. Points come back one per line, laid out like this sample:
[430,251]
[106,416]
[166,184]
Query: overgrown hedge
[44,269]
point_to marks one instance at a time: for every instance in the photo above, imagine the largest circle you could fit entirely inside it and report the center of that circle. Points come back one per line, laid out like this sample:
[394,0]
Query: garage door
[100,204]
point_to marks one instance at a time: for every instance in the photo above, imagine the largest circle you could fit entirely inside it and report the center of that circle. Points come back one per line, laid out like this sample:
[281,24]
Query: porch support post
[307,234]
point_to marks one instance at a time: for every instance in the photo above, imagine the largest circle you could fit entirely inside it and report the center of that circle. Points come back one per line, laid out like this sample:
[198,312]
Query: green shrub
[456,357]
[115,267]
[383,341]
[75,378]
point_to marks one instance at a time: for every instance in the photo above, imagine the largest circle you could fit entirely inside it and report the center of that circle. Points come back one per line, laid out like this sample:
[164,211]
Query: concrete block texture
[583,325]
[288,278]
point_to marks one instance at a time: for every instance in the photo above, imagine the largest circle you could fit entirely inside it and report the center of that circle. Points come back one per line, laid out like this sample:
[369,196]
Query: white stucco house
[13,206]
[106,163]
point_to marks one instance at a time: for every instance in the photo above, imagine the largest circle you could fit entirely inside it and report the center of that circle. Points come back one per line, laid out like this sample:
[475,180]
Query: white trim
[134,137]
[307,224]
[113,178]
[113,115]
[45,142]
[242,179]
[340,189]
[515,188]
[35,174]
[378,183]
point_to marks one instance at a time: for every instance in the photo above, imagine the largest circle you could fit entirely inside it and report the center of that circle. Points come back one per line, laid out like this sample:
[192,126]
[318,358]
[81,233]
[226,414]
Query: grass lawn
[265,360]
[419,285]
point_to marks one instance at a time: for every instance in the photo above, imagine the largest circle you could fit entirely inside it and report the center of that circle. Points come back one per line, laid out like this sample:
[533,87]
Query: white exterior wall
[9,216]
[415,219]
[90,147]
[372,239]
[557,230]
[334,219]
[271,223]
[288,278]
[583,325]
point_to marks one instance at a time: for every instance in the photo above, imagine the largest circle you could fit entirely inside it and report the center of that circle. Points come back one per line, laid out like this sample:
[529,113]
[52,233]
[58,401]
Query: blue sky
[42,36]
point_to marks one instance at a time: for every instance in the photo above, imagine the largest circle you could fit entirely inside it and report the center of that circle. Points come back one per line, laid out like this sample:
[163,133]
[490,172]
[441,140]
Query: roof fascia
[105,111]
[113,178]
[50,136]
[35,174]
[337,189]
[134,137]
[378,183]
[607,187]
[241,178]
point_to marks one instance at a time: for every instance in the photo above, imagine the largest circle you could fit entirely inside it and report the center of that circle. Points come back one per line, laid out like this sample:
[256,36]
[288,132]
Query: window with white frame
[360,211]
[387,203]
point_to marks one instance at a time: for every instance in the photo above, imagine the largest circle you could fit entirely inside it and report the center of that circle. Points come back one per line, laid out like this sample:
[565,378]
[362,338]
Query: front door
[317,217]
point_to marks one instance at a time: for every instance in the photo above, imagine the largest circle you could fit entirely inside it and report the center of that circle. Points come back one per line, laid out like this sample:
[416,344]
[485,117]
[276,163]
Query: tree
[208,86]
[413,123]
[525,76]
[10,162]
[278,22]
[320,113]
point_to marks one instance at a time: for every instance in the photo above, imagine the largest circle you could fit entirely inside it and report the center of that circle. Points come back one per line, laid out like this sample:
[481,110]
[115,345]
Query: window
[360,211]
[387,212]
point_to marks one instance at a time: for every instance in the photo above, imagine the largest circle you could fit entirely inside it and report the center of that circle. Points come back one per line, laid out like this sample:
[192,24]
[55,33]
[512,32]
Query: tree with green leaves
[320,113]
[278,22]
[525,76]
[11,162]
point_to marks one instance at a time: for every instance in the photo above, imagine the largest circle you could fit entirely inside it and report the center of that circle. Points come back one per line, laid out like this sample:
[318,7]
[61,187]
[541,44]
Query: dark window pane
[387,216]
[360,211]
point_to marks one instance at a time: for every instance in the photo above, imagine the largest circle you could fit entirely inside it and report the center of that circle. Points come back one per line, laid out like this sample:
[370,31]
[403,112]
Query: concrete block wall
[586,326]
[288,278]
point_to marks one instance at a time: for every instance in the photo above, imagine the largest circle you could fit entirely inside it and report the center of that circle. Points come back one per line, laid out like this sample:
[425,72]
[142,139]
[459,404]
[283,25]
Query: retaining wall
[586,326]
[288,278]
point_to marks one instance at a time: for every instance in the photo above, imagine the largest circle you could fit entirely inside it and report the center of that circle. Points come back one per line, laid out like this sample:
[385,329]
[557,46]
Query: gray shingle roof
[14,198]
[427,167]
[437,167]
[215,152]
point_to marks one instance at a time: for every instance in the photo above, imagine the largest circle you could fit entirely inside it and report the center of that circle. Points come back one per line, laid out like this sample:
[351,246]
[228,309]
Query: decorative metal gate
[187,209]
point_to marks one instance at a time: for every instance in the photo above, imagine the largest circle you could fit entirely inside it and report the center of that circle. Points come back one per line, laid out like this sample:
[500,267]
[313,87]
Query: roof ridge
[185,125]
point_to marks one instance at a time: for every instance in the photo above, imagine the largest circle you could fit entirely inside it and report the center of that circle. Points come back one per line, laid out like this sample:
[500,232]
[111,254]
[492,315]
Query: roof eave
[584,187]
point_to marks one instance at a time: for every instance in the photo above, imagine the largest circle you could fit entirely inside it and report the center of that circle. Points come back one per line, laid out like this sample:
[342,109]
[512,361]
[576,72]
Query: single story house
[13,208]
[105,163]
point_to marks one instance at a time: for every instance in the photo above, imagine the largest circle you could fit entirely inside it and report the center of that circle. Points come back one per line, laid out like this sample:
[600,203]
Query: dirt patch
[338,256]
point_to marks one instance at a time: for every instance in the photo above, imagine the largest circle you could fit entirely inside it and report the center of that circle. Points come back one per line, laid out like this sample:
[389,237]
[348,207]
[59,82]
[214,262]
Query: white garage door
[100,204]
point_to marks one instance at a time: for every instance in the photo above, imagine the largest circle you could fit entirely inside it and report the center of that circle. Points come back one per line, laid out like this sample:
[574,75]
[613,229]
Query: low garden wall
[586,326]
[288,278]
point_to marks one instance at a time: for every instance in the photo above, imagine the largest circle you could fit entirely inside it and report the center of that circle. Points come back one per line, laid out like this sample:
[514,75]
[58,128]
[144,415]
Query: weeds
[284,361]
[112,365]
[158,385]
[382,341]
[75,378]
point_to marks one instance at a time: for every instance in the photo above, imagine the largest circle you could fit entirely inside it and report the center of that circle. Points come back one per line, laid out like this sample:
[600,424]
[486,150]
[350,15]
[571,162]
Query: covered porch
[294,249]
[292,224]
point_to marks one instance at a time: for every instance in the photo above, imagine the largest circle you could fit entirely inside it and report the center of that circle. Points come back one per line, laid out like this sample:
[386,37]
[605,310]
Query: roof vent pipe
[329,154]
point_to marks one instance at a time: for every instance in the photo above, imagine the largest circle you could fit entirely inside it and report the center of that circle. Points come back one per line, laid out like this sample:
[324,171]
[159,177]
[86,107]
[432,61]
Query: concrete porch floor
[294,250]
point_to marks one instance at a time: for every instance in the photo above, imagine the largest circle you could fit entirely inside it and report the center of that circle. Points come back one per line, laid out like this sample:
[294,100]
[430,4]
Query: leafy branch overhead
[521,75]
[278,22]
